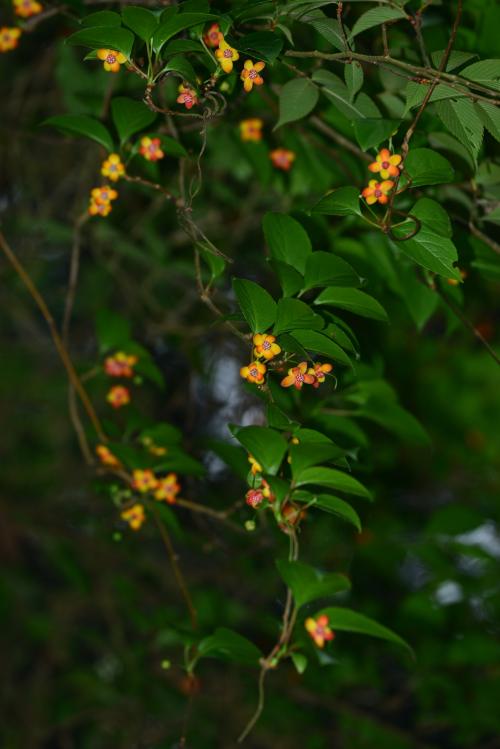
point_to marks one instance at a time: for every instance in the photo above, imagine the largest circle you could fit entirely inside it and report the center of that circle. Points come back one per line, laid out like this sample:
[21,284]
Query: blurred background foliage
[90,612]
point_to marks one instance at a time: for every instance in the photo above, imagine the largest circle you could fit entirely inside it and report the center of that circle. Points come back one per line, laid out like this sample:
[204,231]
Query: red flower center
[266,345]
[299,377]
[111,59]
[254,372]
[228,53]
[385,165]
[253,74]
[378,193]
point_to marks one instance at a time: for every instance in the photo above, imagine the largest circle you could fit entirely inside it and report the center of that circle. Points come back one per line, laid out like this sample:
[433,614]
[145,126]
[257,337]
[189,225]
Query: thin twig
[467,323]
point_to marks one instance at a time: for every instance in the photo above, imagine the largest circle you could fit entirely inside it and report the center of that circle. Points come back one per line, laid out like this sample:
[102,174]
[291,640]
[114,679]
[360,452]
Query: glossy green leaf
[324,268]
[308,584]
[287,240]
[350,621]
[296,100]
[266,445]
[376,17]
[427,167]
[433,215]
[79,124]
[461,119]
[430,250]
[107,37]
[141,20]
[333,479]
[291,281]
[179,65]
[130,116]
[373,131]
[176,23]
[102,18]
[341,202]
[353,300]
[321,344]
[229,645]
[261,45]
[257,305]
[331,504]
[293,314]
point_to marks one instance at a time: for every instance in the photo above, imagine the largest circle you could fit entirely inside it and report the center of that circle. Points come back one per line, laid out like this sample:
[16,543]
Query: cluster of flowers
[227,56]
[254,497]
[10,35]
[387,165]
[119,365]
[265,347]
[251,131]
[164,489]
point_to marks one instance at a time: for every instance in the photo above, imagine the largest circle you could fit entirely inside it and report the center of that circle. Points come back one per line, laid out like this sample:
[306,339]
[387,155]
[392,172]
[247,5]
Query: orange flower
[118,396]
[168,488]
[111,59]
[120,365]
[104,194]
[267,492]
[9,38]
[150,148]
[453,281]
[226,55]
[27,8]
[386,164]
[319,630]
[113,168]
[106,456]
[282,158]
[144,481]
[254,497]
[251,130]
[134,516]
[254,372]
[377,191]
[265,346]
[99,209]
[213,36]
[250,74]
[255,465]
[187,96]
[319,371]
[297,376]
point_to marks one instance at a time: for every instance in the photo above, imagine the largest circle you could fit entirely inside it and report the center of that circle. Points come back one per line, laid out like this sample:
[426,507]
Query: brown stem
[467,324]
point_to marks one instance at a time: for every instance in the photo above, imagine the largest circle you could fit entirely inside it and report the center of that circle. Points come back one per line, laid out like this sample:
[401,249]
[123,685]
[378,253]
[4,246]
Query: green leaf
[113,330]
[335,89]
[353,76]
[171,146]
[333,479]
[266,445]
[141,20]
[374,130]
[130,116]
[461,119]
[299,660]
[376,17]
[257,305]
[324,268]
[434,216]
[347,620]
[262,45]
[430,250]
[292,314]
[297,99]
[287,240]
[102,18]
[231,646]
[426,167]
[341,202]
[307,454]
[485,72]
[181,46]
[321,344]
[180,65]
[331,504]
[329,28]
[490,117]
[308,584]
[215,263]
[291,281]
[80,124]
[107,37]
[174,24]
[353,300]
[395,419]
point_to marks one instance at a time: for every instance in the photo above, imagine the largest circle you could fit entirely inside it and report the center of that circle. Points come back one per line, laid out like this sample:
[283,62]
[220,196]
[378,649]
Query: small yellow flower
[265,346]
[255,465]
[251,129]
[386,164]
[297,376]
[120,364]
[113,168]
[134,516]
[150,148]
[9,38]
[254,372]
[27,8]
[319,630]
[282,158]
[99,209]
[111,59]
[118,396]
[250,74]
[144,481]
[377,192]
[168,488]
[106,456]
[226,55]
[319,372]
[104,194]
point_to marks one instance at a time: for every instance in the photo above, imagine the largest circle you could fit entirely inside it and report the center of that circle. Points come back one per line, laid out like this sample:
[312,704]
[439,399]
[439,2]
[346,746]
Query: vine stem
[469,325]
[58,342]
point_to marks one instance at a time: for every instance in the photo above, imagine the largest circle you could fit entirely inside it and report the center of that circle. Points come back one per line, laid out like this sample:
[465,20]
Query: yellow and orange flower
[213,36]
[99,209]
[113,168]
[104,194]
[111,59]
[254,372]
[106,456]
[187,96]
[282,158]
[319,630]
[386,164]
[118,396]
[251,129]
[120,364]
[255,465]
[377,192]
[226,55]
[265,346]
[254,498]
[250,75]
[297,376]
[168,488]
[150,148]
[267,492]
[27,8]
[144,480]
[134,516]
[319,372]
[9,38]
